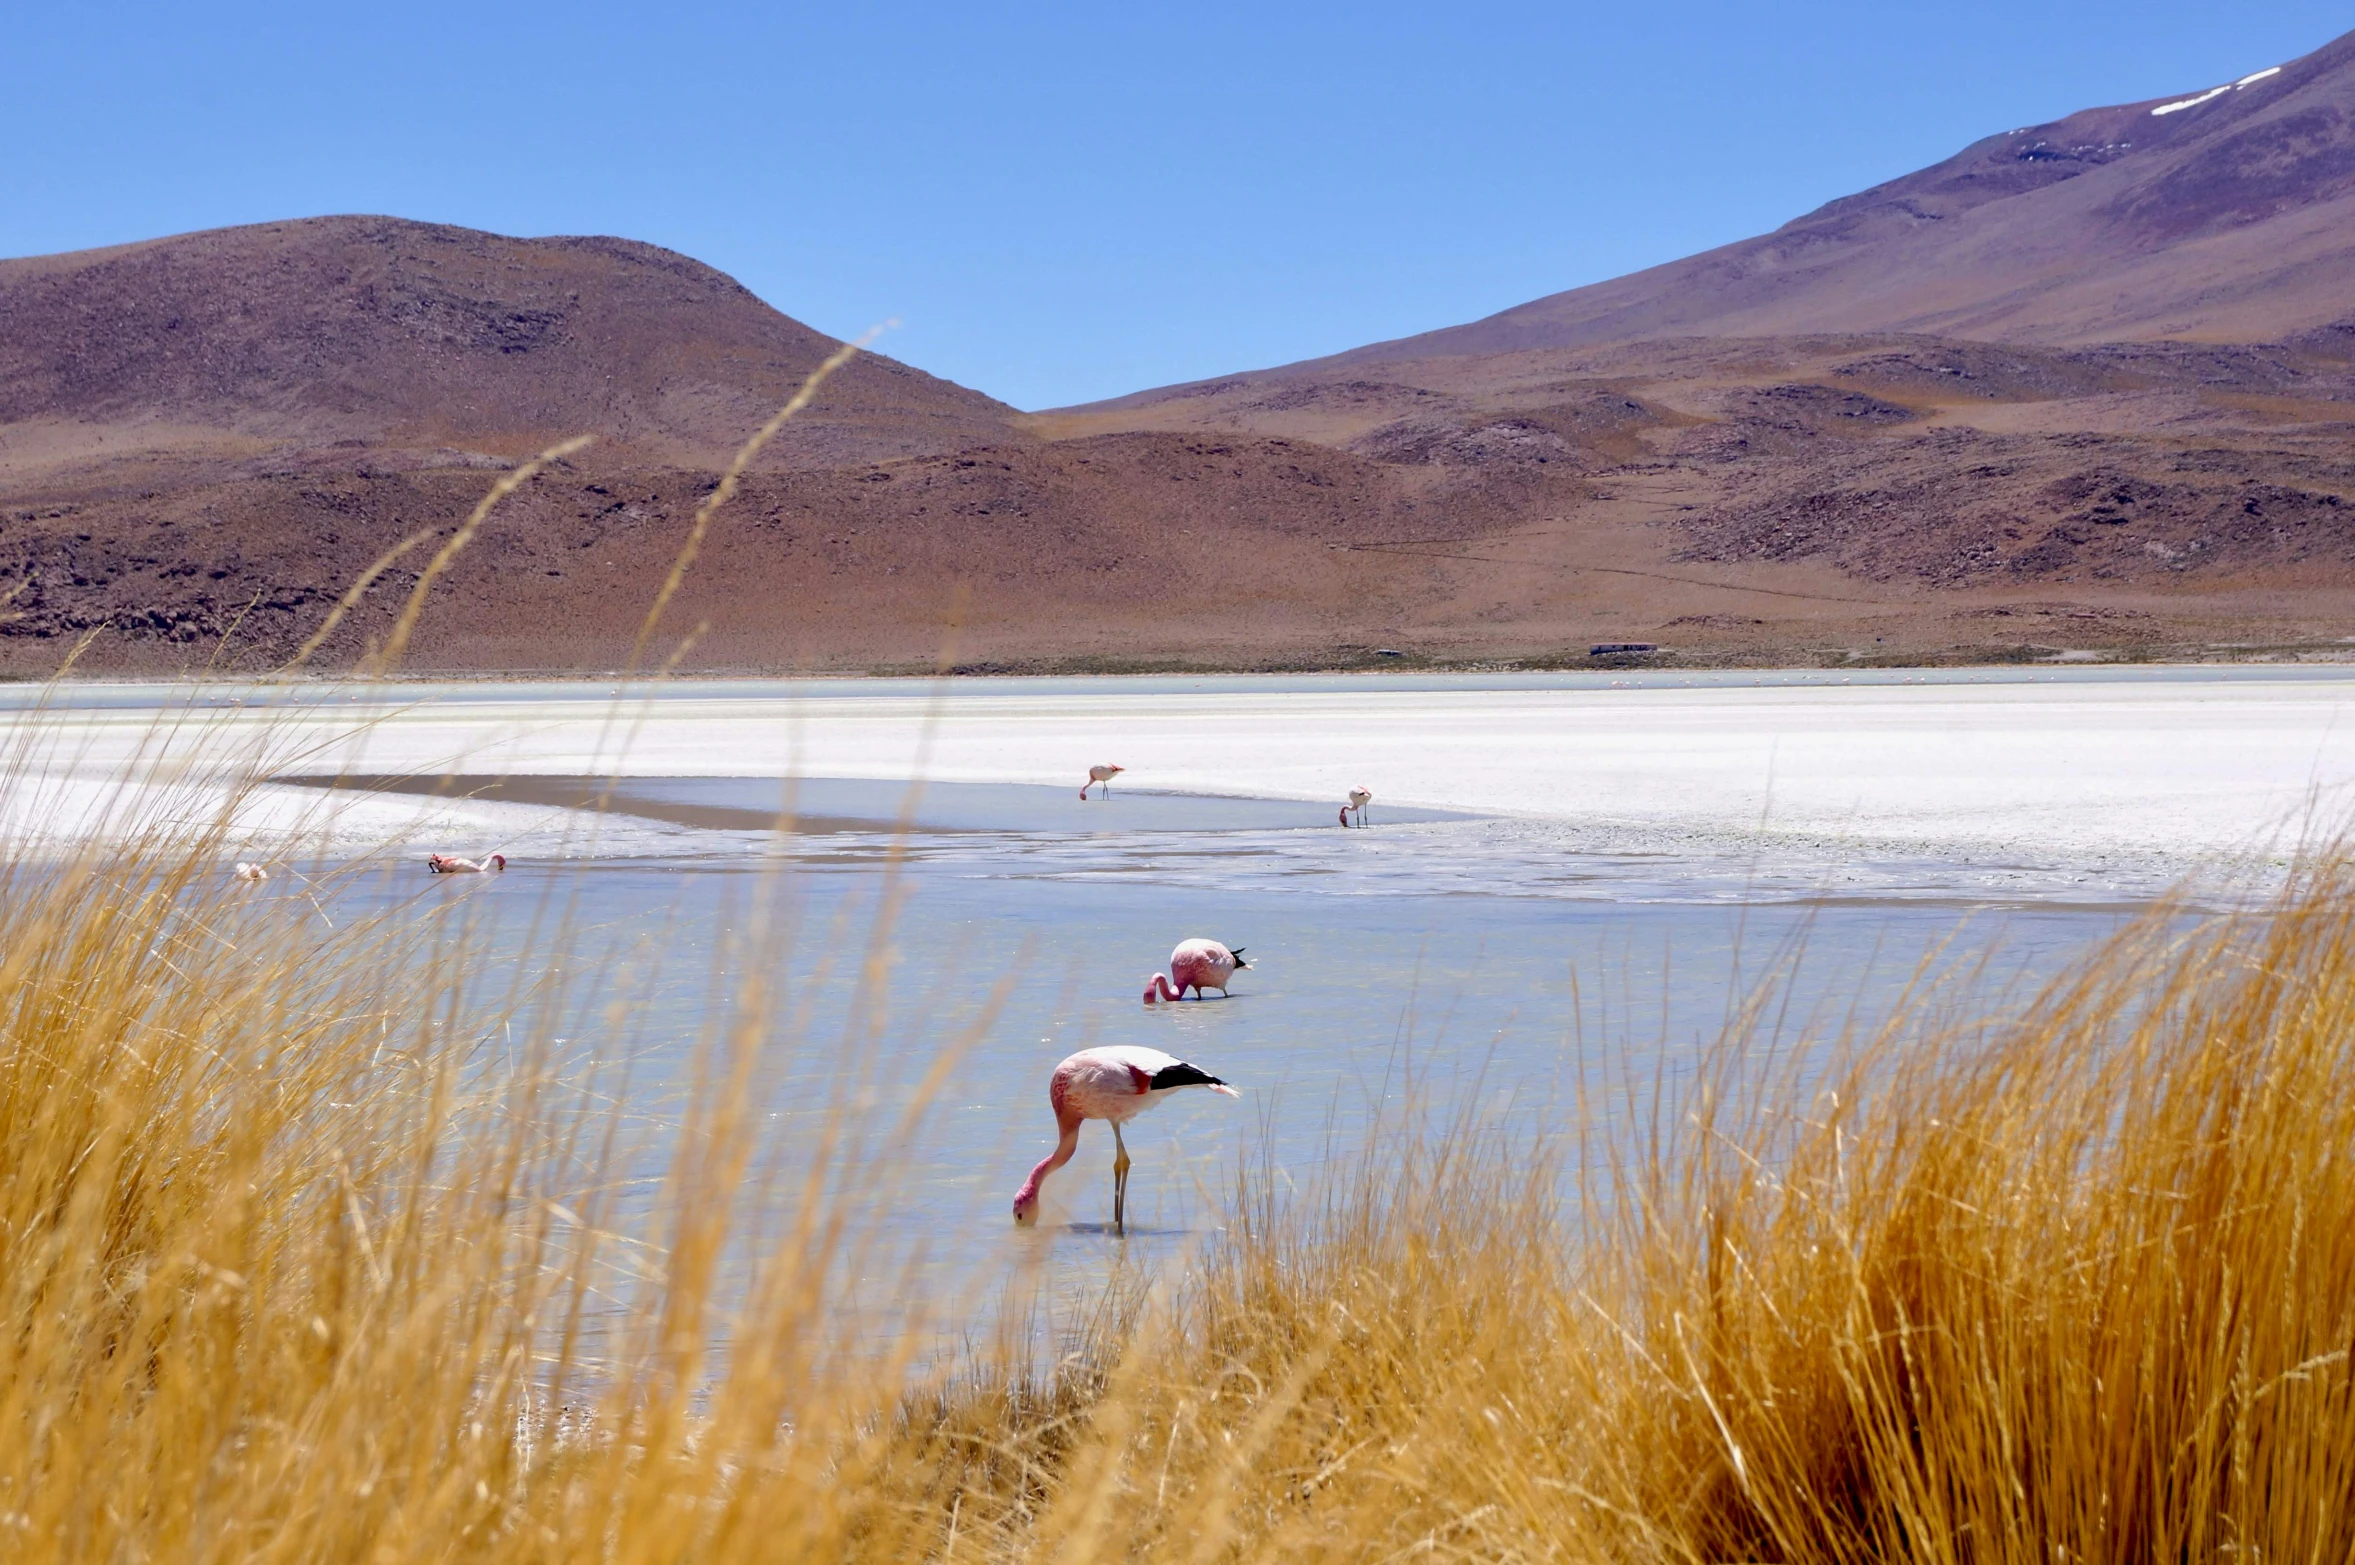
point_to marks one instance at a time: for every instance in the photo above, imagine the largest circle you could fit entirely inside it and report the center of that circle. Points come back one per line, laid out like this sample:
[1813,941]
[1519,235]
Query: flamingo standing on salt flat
[1195,965]
[1101,774]
[246,871]
[449,864]
[1359,798]
[1113,1084]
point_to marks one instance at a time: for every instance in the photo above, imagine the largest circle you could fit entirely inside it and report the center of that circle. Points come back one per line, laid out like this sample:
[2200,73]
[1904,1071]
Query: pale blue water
[1425,963]
[928,959]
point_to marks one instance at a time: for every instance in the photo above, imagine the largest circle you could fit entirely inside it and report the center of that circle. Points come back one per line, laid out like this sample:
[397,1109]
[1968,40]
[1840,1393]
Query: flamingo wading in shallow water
[447,864]
[1195,965]
[1101,774]
[1114,1084]
[1359,798]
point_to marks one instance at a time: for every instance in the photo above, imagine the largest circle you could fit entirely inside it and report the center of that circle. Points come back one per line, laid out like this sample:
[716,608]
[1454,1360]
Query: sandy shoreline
[2166,765]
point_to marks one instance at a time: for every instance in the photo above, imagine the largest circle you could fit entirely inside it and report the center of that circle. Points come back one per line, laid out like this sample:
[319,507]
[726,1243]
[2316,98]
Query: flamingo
[246,871]
[1195,965]
[1114,1084]
[1359,798]
[446,864]
[1101,774]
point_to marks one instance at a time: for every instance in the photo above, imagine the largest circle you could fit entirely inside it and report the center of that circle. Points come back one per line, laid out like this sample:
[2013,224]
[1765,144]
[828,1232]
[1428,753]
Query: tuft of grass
[317,1244]
[2079,1287]
[294,1269]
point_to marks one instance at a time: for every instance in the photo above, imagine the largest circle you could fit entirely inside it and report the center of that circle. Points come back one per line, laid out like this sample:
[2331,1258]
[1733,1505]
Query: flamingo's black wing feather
[1183,1075]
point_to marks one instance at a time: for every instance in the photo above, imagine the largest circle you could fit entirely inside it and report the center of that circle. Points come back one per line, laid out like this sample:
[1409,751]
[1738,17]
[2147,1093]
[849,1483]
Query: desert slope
[2083,387]
[205,439]
[400,335]
[2222,214]
[2084,390]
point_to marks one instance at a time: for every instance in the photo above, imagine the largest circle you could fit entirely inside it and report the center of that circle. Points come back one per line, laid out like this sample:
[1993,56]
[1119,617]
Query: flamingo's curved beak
[1026,1216]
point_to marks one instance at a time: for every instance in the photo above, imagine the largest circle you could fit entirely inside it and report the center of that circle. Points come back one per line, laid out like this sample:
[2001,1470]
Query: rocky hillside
[407,336]
[2107,363]
[2083,389]
[2221,214]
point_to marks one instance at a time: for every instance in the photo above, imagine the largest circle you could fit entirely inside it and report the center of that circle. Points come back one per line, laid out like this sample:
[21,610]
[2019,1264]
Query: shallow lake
[1431,962]
[1623,863]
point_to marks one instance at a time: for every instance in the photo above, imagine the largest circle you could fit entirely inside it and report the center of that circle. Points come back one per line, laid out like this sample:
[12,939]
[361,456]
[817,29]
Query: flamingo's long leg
[1119,1182]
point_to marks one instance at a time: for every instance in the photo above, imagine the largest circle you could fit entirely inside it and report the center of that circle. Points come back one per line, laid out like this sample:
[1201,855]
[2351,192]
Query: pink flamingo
[1359,798]
[1195,965]
[252,872]
[1114,1084]
[1101,774]
[446,864]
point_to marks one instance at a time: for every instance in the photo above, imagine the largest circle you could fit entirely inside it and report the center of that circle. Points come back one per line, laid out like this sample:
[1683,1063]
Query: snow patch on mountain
[2181,104]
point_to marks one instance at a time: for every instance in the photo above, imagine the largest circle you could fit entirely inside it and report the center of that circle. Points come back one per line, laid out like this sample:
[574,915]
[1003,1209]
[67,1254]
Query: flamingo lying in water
[1359,798]
[1101,774]
[447,864]
[246,871]
[1195,965]
[1113,1084]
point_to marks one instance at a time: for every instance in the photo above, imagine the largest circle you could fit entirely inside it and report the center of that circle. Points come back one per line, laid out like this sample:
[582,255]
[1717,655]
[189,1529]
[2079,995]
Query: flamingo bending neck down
[1359,798]
[1195,965]
[1113,1084]
[1101,774]
[447,864]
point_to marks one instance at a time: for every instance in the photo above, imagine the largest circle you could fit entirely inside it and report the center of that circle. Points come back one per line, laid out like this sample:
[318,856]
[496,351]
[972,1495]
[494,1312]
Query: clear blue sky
[1062,202]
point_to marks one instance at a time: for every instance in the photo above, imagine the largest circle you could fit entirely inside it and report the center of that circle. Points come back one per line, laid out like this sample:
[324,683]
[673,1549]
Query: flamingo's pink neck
[1027,1197]
[1028,1194]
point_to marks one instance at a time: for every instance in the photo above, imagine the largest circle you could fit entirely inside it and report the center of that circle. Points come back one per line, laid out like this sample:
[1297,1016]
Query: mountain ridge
[418,334]
[2217,168]
[1966,414]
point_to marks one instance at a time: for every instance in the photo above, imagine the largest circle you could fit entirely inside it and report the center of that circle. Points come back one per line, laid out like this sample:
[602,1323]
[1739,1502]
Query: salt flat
[2064,768]
[1637,859]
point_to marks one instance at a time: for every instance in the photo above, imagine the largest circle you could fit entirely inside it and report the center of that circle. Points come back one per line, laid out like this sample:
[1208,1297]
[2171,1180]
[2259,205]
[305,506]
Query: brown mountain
[415,336]
[2087,387]
[2225,214]
[218,432]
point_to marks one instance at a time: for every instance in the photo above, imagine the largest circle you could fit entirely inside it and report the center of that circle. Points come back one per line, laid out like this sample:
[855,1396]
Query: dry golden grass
[297,1263]
[292,1268]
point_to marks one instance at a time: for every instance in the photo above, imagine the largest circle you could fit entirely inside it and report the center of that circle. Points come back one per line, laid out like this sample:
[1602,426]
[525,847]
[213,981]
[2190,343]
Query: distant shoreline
[1391,676]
